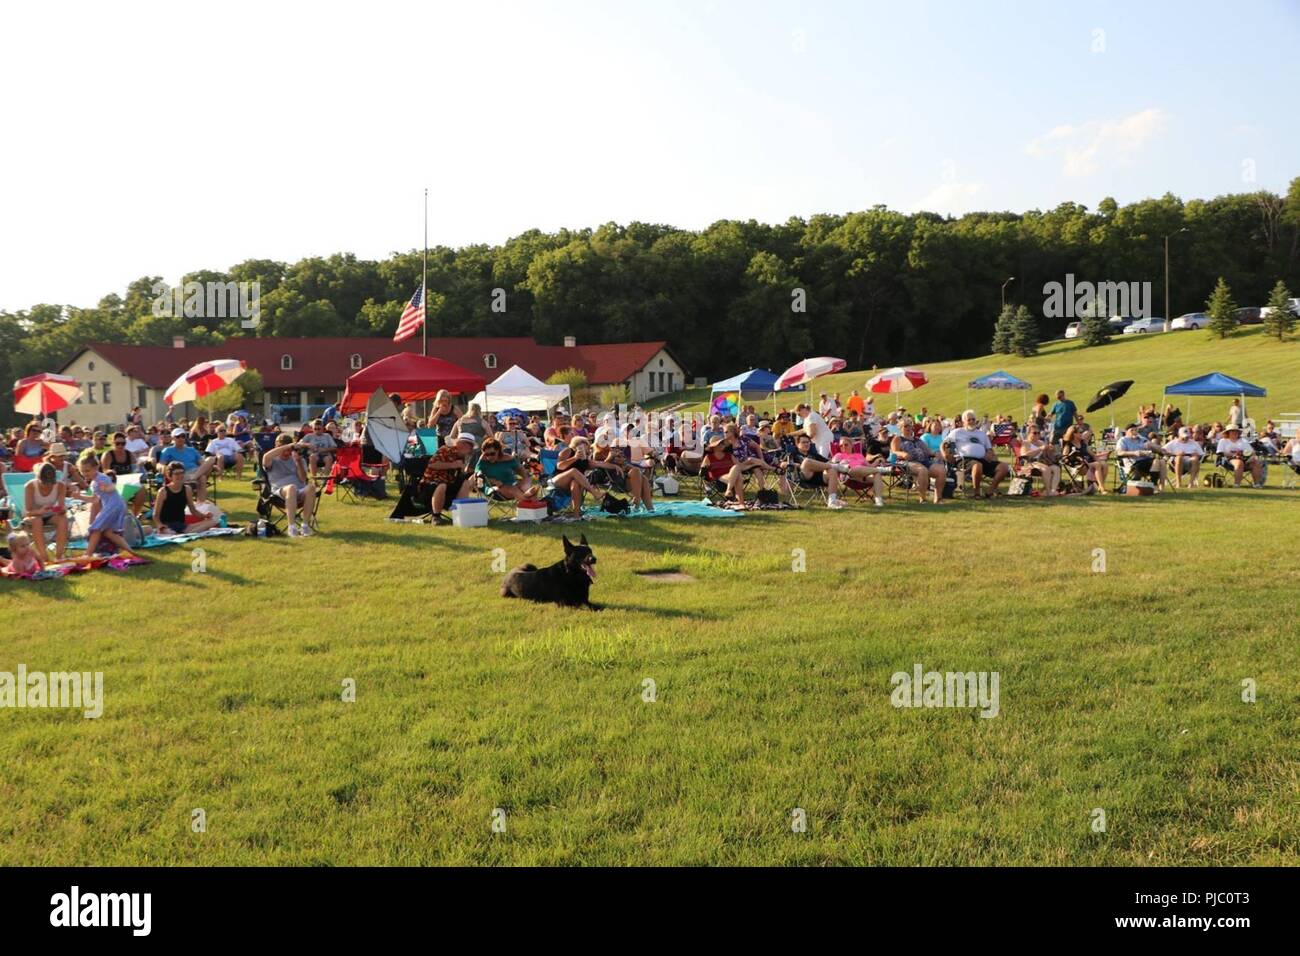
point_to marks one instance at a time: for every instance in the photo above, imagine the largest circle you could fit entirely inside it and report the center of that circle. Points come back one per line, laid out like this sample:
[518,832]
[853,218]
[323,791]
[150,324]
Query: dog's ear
[568,545]
[584,541]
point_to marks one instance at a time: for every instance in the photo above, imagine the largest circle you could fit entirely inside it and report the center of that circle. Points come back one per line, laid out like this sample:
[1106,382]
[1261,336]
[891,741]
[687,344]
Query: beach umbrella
[803,372]
[726,404]
[897,380]
[1108,394]
[40,395]
[203,379]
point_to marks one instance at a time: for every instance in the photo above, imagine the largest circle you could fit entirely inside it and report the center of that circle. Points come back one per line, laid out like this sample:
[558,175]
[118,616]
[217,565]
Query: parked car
[1190,320]
[1144,326]
[1073,329]
[1250,315]
[1118,323]
[1295,308]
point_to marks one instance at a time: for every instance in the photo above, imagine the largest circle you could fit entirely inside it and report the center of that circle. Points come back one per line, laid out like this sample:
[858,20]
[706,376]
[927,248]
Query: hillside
[1152,361]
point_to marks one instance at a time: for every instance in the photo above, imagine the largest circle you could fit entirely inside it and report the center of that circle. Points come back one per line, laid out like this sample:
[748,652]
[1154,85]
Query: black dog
[566,582]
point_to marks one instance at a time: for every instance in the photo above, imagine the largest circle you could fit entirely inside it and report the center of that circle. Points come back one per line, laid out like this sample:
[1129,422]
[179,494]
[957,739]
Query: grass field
[1120,690]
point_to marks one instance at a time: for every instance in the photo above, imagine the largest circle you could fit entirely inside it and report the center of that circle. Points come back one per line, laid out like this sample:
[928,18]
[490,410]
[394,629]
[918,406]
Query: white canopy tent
[515,388]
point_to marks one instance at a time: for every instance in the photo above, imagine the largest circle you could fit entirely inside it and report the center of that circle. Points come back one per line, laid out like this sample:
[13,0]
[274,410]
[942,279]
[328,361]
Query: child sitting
[23,557]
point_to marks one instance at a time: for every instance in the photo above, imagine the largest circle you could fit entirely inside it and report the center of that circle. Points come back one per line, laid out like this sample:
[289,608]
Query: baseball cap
[178,433]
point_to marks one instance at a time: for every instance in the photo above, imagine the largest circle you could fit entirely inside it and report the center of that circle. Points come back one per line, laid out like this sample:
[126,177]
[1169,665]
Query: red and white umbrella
[897,380]
[203,379]
[42,394]
[807,370]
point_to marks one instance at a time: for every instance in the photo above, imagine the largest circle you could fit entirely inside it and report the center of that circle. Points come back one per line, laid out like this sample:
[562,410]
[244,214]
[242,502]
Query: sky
[157,139]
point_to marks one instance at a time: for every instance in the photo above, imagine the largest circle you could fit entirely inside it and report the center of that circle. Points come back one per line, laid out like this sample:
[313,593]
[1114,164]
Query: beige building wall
[108,395]
[660,376]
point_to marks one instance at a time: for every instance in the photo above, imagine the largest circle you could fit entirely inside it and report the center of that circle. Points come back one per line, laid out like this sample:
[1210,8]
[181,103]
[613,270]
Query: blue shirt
[187,455]
[1063,415]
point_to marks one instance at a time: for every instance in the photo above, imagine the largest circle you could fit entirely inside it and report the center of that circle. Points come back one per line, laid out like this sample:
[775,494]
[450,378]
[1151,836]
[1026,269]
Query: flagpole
[424,280]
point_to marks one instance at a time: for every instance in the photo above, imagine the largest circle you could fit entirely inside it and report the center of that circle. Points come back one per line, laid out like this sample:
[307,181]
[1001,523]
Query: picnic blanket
[663,509]
[157,540]
[51,572]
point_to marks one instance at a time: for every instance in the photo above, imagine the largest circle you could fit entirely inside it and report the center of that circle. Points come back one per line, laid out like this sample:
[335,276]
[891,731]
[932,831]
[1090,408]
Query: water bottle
[261,527]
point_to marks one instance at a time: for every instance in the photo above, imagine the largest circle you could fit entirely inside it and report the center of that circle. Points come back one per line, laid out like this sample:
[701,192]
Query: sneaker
[880,502]
[293,531]
[304,530]
[834,503]
[842,467]
[441,518]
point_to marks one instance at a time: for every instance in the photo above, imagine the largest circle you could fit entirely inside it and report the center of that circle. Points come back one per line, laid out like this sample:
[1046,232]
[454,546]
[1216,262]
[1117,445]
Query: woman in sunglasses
[117,459]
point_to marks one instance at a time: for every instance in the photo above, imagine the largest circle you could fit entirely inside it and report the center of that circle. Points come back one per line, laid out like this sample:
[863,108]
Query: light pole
[1010,279]
[1169,319]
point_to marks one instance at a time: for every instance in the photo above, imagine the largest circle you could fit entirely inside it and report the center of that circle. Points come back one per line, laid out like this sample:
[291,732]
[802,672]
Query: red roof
[327,362]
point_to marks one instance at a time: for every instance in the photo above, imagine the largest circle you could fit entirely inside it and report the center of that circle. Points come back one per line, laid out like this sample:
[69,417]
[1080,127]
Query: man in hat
[1185,455]
[197,467]
[1238,456]
[1141,456]
[447,472]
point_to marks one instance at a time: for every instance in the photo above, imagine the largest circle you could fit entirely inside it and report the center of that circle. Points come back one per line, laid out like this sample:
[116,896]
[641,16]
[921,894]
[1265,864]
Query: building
[301,377]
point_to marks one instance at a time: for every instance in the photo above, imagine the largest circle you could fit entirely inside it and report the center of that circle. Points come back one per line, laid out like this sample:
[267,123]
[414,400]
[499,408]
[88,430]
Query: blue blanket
[157,541]
[663,509]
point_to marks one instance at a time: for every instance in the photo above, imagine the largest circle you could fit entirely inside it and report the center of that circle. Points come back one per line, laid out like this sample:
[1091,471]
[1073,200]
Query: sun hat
[58,449]
[467,438]
[178,433]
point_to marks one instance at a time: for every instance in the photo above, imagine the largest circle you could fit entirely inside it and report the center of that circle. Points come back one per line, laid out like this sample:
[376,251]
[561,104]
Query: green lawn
[1119,691]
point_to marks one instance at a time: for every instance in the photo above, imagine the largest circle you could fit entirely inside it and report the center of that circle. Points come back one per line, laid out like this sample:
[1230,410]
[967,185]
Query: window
[355,361]
[142,396]
[104,392]
[670,382]
[286,363]
[489,360]
[90,366]
[661,363]
[90,392]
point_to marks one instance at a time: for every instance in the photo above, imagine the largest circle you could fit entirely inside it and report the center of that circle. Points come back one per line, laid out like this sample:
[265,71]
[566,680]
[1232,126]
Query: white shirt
[137,446]
[226,447]
[1187,447]
[1229,447]
[971,442]
[820,433]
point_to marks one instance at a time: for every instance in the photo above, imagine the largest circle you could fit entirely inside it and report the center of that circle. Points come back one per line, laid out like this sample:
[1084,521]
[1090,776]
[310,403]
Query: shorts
[1140,467]
[176,526]
[281,489]
[227,461]
[604,477]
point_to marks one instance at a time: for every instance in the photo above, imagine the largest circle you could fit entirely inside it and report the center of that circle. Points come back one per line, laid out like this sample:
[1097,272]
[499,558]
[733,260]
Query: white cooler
[530,509]
[469,513]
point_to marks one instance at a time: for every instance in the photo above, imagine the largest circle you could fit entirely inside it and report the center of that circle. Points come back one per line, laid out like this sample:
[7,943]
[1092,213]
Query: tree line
[876,287]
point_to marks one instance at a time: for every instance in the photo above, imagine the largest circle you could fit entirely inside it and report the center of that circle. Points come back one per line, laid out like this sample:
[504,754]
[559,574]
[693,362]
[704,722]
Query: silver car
[1190,320]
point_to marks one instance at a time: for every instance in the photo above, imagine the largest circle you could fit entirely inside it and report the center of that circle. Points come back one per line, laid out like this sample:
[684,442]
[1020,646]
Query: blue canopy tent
[1217,383]
[756,382]
[1001,380]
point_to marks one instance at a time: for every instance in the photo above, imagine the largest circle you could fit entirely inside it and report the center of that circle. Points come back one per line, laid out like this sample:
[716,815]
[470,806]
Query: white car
[1072,330]
[1191,320]
[1263,313]
[1144,326]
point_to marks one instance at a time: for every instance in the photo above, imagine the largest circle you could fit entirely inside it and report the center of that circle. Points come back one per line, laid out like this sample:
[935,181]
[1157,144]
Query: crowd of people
[586,456]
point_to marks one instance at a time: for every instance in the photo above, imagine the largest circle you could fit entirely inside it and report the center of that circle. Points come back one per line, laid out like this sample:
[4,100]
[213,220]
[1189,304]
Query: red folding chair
[348,473]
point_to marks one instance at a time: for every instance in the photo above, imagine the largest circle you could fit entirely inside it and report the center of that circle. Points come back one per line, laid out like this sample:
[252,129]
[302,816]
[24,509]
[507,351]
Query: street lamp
[1010,279]
[1168,319]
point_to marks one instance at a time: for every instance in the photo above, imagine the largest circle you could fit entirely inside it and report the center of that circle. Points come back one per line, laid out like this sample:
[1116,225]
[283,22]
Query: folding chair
[270,506]
[348,475]
[803,491]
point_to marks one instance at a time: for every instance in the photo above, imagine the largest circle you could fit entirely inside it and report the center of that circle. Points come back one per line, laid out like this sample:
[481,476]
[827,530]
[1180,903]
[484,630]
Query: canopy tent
[1001,380]
[1217,383]
[756,381]
[515,388]
[413,377]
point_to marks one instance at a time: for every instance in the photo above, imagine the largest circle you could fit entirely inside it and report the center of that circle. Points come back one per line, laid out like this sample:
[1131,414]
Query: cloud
[1085,149]
[949,198]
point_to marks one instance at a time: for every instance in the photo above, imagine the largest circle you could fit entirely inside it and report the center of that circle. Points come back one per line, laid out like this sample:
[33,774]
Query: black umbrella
[1109,394]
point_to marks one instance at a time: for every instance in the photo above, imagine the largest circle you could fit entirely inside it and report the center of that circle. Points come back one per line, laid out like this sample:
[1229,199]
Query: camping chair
[353,479]
[802,491]
[1025,469]
[15,485]
[1074,473]
[270,506]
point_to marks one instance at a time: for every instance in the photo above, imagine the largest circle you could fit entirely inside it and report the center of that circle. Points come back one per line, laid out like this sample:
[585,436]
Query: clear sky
[154,139]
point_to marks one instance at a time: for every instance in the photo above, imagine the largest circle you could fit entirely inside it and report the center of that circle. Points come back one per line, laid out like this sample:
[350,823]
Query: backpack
[667,485]
[1019,486]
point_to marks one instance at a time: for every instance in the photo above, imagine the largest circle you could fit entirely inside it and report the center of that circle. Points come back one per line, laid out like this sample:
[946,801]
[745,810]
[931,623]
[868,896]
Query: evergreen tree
[1024,333]
[1280,319]
[1095,329]
[1221,310]
[1002,331]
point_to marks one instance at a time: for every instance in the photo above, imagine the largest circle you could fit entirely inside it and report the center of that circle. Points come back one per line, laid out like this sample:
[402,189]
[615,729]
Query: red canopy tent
[414,377]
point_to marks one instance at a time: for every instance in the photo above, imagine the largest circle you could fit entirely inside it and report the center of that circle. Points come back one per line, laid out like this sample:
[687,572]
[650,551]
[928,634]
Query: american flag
[412,317]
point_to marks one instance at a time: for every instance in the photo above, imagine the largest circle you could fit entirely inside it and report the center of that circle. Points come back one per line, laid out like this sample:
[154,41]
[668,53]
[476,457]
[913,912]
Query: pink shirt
[853,459]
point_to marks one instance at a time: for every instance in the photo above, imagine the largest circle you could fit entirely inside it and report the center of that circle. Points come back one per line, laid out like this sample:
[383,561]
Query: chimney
[570,342]
[178,341]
